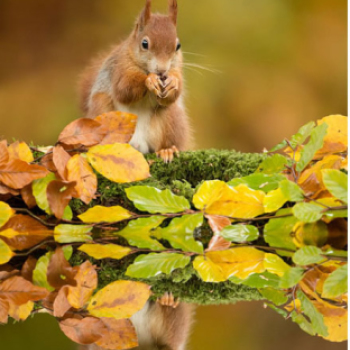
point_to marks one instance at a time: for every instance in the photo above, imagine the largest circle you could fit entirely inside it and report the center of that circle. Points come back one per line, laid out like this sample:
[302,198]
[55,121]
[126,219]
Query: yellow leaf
[208,270]
[5,252]
[208,193]
[336,139]
[100,251]
[119,162]
[20,150]
[105,214]
[6,212]
[274,200]
[238,202]
[21,312]
[274,264]
[337,327]
[120,299]
[344,163]
[79,170]
[239,262]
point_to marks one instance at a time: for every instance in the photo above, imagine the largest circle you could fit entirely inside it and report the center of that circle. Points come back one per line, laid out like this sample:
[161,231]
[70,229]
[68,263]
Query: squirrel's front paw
[168,300]
[154,84]
[170,87]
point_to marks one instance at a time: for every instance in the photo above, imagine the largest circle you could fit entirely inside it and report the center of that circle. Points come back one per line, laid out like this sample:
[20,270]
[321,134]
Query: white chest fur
[144,111]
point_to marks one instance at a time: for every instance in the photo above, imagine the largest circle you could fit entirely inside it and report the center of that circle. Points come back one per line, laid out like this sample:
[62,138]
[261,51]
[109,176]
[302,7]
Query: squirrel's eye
[145,44]
[178,47]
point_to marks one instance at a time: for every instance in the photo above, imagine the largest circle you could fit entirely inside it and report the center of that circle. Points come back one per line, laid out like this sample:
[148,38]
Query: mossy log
[182,176]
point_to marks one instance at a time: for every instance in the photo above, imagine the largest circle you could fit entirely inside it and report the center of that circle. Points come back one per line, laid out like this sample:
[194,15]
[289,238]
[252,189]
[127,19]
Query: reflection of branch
[38,246]
[27,211]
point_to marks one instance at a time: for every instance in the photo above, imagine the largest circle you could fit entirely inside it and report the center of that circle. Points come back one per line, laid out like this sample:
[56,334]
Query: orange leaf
[23,232]
[83,331]
[18,174]
[4,154]
[28,268]
[59,194]
[4,311]
[120,125]
[120,334]
[20,150]
[60,158]
[218,243]
[79,170]
[27,196]
[217,223]
[21,312]
[61,304]
[4,190]
[83,131]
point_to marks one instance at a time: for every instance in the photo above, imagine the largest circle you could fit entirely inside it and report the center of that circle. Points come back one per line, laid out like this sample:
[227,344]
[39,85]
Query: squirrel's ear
[145,15]
[173,10]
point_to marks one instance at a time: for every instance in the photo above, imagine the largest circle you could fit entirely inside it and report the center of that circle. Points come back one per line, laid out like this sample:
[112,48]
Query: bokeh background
[272,66]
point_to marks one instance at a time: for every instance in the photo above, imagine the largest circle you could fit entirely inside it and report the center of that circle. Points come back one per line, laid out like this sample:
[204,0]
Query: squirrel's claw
[168,154]
[154,84]
[168,300]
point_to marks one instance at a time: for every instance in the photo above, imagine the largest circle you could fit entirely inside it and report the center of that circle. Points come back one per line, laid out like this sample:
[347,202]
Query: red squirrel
[143,76]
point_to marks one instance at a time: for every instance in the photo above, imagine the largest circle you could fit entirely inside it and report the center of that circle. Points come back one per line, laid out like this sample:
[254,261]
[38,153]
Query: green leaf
[68,213]
[308,212]
[154,201]
[259,181]
[316,142]
[303,323]
[5,252]
[180,231]
[308,255]
[336,283]
[151,265]
[278,297]
[273,164]
[259,280]
[240,233]
[138,232]
[274,200]
[39,192]
[291,191]
[311,234]
[279,232]
[40,271]
[281,312]
[208,271]
[291,277]
[274,264]
[72,233]
[67,252]
[315,317]
[336,183]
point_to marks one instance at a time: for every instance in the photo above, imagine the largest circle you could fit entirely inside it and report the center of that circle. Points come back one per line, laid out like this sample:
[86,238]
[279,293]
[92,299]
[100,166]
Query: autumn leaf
[105,214]
[83,131]
[59,194]
[18,174]
[208,193]
[119,163]
[28,197]
[217,223]
[23,232]
[5,252]
[60,159]
[40,192]
[4,154]
[274,264]
[6,212]
[4,310]
[208,270]
[79,170]
[120,127]
[218,243]
[20,150]
[72,233]
[20,312]
[28,268]
[103,251]
[120,299]
[315,234]
[153,264]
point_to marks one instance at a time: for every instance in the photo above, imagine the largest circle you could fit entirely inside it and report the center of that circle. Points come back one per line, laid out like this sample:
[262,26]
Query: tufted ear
[145,15]
[173,10]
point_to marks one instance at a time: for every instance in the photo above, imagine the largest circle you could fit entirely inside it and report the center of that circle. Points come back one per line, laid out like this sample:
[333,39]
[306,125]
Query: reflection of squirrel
[143,76]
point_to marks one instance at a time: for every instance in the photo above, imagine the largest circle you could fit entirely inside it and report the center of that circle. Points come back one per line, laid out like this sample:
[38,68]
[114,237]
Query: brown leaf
[7,271]
[4,311]
[120,127]
[61,304]
[18,291]
[60,159]
[27,196]
[18,174]
[217,223]
[23,232]
[59,271]
[79,170]
[84,131]
[4,154]
[85,331]
[120,334]
[218,243]
[47,161]
[28,268]
[59,194]
[338,233]
[5,190]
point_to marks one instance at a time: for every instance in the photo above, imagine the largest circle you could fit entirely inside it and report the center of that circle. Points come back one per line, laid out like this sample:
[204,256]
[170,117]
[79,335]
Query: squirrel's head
[155,41]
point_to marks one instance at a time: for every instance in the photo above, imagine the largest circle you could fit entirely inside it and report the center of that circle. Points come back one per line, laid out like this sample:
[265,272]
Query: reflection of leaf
[151,265]
[72,233]
[336,183]
[104,214]
[308,212]
[208,270]
[217,223]
[100,251]
[310,234]
[180,231]
[308,255]
[120,299]
[336,283]
[6,212]
[138,233]
[5,252]
[240,233]
[154,201]
[119,162]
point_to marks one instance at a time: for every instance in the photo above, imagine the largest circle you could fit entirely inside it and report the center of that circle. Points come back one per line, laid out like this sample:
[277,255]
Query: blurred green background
[276,64]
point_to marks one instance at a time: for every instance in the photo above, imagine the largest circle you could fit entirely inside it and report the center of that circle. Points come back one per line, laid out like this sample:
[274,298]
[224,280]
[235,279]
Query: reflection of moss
[182,176]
